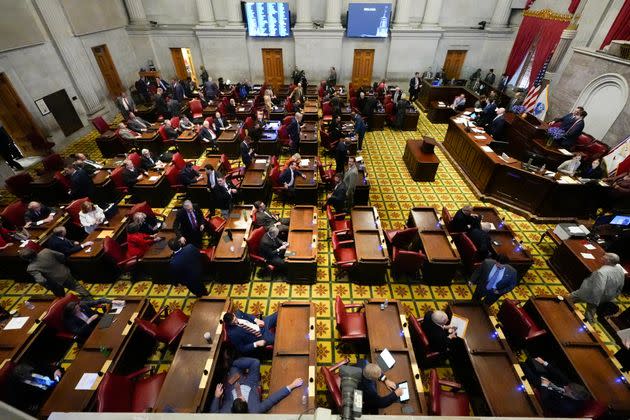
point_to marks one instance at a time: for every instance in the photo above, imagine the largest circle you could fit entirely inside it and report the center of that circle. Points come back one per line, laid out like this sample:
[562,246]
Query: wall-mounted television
[368,20]
[268,19]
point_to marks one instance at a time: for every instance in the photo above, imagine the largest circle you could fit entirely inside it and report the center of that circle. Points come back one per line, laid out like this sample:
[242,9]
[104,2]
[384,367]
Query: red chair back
[113,250]
[100,124]
[162,131]
[517,323]
[53,162]
[389,108]
[222,108]
[283,133]
[253,242]
[403,238]
[73,209]
[287,120]
[175,122]
[142,207]
[114,394]
[178,161]
[274,175]
[54,315]
[327,108]
[288,105]
[624,166]
[467,250]
[340,311]
[210,121]
[224,163]
[196,109]
[249,122]
[135,158]
[14,213]
[63,180]
[434,392]
[446,217]
[118,179]
[20,184]
[333,383]
[172,175]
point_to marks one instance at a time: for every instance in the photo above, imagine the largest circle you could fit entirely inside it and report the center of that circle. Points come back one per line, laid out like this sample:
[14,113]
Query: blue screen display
[268,19]
[368,20]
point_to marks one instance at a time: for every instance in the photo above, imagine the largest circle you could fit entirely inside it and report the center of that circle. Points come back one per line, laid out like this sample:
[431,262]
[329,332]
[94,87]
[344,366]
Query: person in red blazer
[137,242]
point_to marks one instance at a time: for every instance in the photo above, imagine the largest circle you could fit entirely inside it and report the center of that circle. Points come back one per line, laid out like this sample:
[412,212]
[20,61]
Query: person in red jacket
[137,242]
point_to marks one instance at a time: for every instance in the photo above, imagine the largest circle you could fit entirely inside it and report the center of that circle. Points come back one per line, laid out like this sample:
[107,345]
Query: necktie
[193,219]
[292,178]
[250,330]
[126,105]
[492,279]
[211,179]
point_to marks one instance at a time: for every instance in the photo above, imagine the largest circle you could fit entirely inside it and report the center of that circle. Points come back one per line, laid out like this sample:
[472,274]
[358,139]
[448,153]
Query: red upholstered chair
[131,393]
[351,325]
[517,325]
[249,123]
[288,105]
[216,224]
[276,185]
[327,176]
[6,374]
[253,246]
[100,124]
[54,316]
[53,162]
[592,148]
[144,207]
[73,209]
[592,409]
[13,214]
[19,184]
[467,251]
[196,109]
[172,176]
[421,343]
[210,121]
[135,158]
[344,252]
[407,262]
[327,109]
[337,221]
[117,253]
[332,379]
[167,329]
[63,181]
[179,161]
[273,161]
[401,238]
[326,141]
[447,403]
[119,181]
[166,142]
[175,122]
[390,114]
[235,175]
[287,120]
[447,219]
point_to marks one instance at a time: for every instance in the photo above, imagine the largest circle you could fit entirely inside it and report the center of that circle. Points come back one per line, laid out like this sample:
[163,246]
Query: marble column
[565,39]
[205,13]
[501,16]
[401,18]
[234,14]
[304,19]
[135,9]
[432,11]
[333,14]
[415,18]
[72,52]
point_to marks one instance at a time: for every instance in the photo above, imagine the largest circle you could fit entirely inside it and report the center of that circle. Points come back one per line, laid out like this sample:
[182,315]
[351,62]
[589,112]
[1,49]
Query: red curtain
[573,6]
[550,31]
[620,28]
[524,39]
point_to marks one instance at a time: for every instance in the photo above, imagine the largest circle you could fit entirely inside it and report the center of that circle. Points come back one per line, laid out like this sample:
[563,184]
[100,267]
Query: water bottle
[305,396]
[385,303]
[29,305]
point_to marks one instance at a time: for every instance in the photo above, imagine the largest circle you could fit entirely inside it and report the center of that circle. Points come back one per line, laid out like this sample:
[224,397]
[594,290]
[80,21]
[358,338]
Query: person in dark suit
[58,242]
[149,161]
[81,184]
[79,318]
[178,90]
[137,124]
[207,135]
[493,279]
[247,332]
[566,121]
[256,131]
[440,334]
[220,124]
[372,374]
[186,266]
[267,220]
[287,178]
[189,224]
[241,391]
[49,270]
[337,198]
[8,150]
[224,196]
[371,103]
[161,108]
[334,130]
[142,87]
[414,86]
[131,175]
[35,212]
[189,175]
[558,395]
[162,84]
[247,153]
[488,113]
[496,128]
[293,130]
[173,107]
[341,155]
[464,220]
[593,170]
[483,243]
[574,130]
[401,111]
[273,249]
[212,178]
[359,130]
[171,133]
[125,105]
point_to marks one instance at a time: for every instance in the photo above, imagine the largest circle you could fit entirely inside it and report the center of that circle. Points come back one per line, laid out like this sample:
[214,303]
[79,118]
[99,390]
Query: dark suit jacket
[437,336]
[223,199]
[206,134]
[179,91]
[572,134]
[507,283]
[171,133]
[130,177]
[146,163]
[246,153]
[241,339]
[217,175]
[130,104]
[268,247]
[338,197]
[285,177]
[76,325]
[134,124]
[219,125]
[371,399]
[81,185]
[496,128]
[265,219]
[369,106]
[31,216]
[186,266]
[293,130]
[463,223]
[63,245]
[188,176]
[182,224]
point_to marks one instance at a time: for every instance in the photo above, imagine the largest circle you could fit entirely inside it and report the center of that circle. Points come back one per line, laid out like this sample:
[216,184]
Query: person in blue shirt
[359,130]
[493,279]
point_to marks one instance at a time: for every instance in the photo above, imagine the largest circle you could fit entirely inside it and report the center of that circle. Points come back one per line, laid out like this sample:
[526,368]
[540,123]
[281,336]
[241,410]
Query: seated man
[148,161]
[371,399]
[337,198]
[185,123]
[268,220]
[137,124]
[273,249]
[171,133]
[493,279]
[574,130]
[36,212]
[464,220]
[127,134]
[58,242]
[78,318]
[207,135]
[438,331]
[247,333]
[241,391]
[81,184]
[189,175]
[131,175]
[30,384]
[459,103]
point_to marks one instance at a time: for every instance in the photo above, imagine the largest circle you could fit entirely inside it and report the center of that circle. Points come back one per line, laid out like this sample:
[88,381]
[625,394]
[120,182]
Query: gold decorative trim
[548,15]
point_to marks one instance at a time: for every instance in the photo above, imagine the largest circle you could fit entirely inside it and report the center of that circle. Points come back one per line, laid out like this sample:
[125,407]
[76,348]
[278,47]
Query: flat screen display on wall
[268,19]
[368,20]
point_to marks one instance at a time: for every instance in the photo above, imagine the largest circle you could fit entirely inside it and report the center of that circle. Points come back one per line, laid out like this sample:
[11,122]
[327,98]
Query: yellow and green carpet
[393,193]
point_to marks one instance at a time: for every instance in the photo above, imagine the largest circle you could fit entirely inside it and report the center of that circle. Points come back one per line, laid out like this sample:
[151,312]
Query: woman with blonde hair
[268,104]
[91,216]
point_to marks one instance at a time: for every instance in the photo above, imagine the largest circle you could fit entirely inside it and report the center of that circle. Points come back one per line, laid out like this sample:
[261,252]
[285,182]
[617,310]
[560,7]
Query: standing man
[189,224]
[293,129]
[493,279]
[125,105]
[224,197]
[186,266]
[337,198]
[247,153]
[341,155]
[8,150]
[287,178]
[496,128]
[49,270]
[490,77]
[81,184]
[332,77]
[414,86]
[350,179]
[359,130]
[574,129]
[603,285]
[142,88]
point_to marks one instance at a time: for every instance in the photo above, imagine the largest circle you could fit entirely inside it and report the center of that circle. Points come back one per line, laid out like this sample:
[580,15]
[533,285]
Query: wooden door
[62,109]
[362,67]
[17,120]
[273,66]
[180,64]
[453,63]
[108,70]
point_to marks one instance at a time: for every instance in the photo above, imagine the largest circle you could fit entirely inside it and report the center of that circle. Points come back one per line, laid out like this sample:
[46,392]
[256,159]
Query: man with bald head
[496,128]
[189,224]
[465,220]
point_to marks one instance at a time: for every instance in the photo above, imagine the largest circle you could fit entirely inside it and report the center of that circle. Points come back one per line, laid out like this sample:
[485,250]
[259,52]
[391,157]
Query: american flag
[532,94]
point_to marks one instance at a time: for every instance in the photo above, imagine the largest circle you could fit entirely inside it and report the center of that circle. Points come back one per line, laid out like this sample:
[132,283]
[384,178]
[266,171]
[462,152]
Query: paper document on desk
[117,306]
[460,120]
[487,226]
[104,233]
[154,178]
[589,247]
[385,360]
[16,323]
[405,391]
[304,163]
[461,323]
[575,230]
[261,160]
[587,255]
[565,152]
[86,382]
[487,149]
[441,104]
[624,335]
[467,113]
[478,110]
[480,137]
[478,130]
[565,179]
[241,109]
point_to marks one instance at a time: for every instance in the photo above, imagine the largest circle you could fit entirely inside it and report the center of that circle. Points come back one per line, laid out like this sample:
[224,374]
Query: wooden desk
[311,110]
[12,266]
[228,142]
[188,387]
[197,192]
[152,188]
[440,114]
[369,242]
[308,143]
[294,356]
[422,166]
[104,191]
[487,368]
[13,342]
[301,256]
[244,110]
[443,259]
[189,145]
[509,184]
[569,264]
[376,121]
[268,144]
[42,231]
[155,262]
[230,257]
[255,185]
[90,359]
[410,123]
[388,329]
[577,342]
[306,189]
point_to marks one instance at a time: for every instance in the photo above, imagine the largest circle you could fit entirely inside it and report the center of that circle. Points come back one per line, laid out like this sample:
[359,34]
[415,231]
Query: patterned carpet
[393,193]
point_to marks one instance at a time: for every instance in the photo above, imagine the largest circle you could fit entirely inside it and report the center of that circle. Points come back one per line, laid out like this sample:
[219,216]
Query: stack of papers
[480,137]
[87,381]
[467,113]
[460,120]
[564,179]
[478,130]
[587,255]
[261,160]
[305,162]
[565,152]
[16,323]
[487,149]
[441,104]
[590,247]
[117,306]
[154,178]
[488,226]
[461,323]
